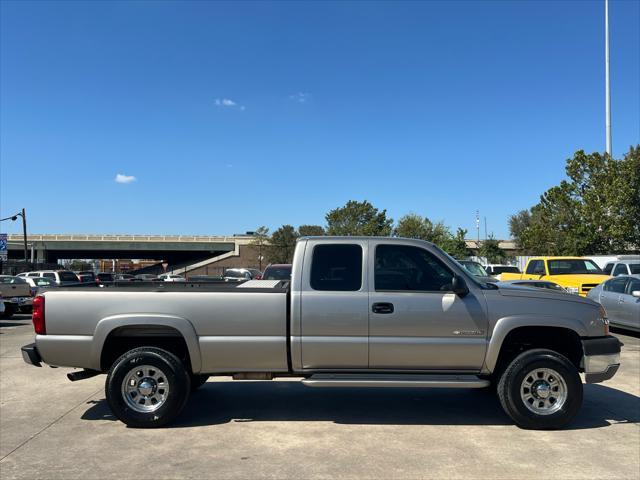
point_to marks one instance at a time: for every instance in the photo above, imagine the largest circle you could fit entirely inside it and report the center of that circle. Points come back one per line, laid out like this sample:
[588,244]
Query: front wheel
[540,389]
[147,387]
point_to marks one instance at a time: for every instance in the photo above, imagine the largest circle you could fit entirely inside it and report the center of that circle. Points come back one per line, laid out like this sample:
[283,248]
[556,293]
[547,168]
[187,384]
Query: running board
[389,380]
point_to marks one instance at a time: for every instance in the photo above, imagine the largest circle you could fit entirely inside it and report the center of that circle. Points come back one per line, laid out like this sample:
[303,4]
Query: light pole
[13,218]
[607,81]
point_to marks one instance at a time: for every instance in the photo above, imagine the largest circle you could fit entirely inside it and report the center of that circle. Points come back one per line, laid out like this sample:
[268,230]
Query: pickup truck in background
[358,312]
[577,275]
[15,294]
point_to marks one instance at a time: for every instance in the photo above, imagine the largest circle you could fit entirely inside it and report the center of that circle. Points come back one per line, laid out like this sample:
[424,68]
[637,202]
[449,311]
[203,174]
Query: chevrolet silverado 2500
[358,312]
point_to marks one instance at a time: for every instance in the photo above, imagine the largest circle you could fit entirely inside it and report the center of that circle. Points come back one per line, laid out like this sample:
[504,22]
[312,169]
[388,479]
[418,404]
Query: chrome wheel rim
[543,391]
[145,388]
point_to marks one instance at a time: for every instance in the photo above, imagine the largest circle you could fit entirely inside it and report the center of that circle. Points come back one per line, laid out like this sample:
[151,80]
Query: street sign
[3,247]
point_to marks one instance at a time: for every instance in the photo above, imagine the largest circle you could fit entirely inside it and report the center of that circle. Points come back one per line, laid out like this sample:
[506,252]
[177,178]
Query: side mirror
[459,286]
[636,293]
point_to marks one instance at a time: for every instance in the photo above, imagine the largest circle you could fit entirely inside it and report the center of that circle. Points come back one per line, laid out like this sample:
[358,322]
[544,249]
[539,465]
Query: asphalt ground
[53,428]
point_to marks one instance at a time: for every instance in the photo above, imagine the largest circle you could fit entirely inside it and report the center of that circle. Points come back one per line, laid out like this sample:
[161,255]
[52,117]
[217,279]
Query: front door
[415,321]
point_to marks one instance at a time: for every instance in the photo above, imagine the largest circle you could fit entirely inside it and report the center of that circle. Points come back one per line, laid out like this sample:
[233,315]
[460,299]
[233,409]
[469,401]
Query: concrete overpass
[174,249]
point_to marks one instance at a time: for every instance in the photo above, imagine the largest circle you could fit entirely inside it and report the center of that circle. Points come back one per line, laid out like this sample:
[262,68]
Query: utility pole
[24,235]
[607,80]
[485,229]
[478,230]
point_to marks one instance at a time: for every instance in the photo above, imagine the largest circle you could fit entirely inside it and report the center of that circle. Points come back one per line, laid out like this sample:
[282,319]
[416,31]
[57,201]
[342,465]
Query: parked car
[146,277]
[577,275]
[477,271]
[535,283]
[61,277]
[622,267]
[16,295]
[360,312]
[277,271]
[124,277]
[39,284]
[241,274]
[620,297]
[495,270]
[105,277]
[171,277]
[86,276]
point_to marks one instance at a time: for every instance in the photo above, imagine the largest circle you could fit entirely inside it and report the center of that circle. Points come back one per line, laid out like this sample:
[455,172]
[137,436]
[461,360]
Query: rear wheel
[147,387]
[540,389]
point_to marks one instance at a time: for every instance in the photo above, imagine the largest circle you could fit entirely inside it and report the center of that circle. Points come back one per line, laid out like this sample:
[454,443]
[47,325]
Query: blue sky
[235,115]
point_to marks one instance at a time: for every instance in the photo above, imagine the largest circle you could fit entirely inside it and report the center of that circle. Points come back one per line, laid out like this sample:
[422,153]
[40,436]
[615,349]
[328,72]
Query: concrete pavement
[52,428]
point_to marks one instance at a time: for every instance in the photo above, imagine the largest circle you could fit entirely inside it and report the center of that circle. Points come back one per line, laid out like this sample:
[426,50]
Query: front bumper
[601,358]
[31,355]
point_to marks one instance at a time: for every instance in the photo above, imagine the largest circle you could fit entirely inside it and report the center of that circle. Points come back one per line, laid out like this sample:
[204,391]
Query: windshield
[475,268]
[234,274]
[635,268]
[570,266]
[277,273]
[11,280]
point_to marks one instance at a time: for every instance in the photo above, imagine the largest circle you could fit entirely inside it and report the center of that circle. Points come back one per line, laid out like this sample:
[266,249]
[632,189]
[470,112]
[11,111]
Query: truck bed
[234,329]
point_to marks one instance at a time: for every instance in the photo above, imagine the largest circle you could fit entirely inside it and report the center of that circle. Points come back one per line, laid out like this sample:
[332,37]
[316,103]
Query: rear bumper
[601,358]
[31,355]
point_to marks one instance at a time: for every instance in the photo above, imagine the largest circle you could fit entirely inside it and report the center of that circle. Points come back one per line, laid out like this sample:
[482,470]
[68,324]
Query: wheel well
[562,340]
[123,339]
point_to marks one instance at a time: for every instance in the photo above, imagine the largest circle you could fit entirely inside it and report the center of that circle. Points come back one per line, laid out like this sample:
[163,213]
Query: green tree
[456,246]
[282,245]
[490,249]
[310,230]
[596,210]
[518,224]
[415,226]
[259,243]
[358,218]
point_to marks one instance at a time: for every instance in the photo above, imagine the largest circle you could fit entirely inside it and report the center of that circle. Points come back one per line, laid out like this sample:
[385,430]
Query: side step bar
[390,380]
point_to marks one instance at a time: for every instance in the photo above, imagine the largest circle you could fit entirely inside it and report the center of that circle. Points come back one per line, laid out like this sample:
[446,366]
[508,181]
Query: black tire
[169,366]
[9,310]
[197,381]
[512,389]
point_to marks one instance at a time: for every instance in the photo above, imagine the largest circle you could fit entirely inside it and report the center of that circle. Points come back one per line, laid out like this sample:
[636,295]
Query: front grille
[587,286]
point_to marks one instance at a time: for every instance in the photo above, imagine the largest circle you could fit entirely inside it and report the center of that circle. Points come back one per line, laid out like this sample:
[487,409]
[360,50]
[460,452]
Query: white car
[171,277]
[495,270]
[61,277]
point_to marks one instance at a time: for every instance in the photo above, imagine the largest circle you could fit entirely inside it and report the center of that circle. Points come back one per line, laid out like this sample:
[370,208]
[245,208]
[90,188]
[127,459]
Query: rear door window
[67,277]
[337,268]
[49,275]
[535,267]
[616,285]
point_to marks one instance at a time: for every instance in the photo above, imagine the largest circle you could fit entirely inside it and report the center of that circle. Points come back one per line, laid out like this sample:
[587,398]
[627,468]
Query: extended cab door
[333,301]
[415,320]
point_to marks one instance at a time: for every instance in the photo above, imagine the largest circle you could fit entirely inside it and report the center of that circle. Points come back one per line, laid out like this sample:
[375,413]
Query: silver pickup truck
[358,312]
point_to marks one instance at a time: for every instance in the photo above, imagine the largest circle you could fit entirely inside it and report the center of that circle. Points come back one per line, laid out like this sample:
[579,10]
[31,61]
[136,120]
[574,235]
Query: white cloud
[120,178]
[300,97]
[227,103]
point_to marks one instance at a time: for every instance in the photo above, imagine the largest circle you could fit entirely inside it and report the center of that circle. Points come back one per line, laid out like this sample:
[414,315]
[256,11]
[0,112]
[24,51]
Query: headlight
[574,290]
